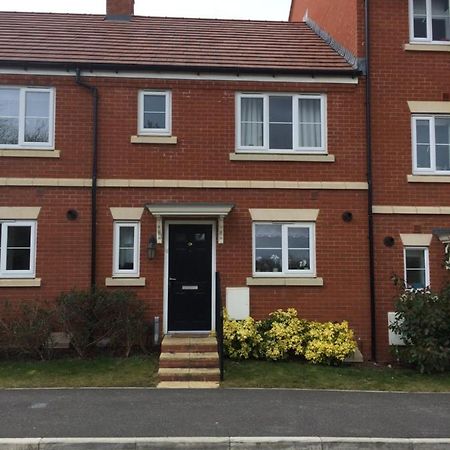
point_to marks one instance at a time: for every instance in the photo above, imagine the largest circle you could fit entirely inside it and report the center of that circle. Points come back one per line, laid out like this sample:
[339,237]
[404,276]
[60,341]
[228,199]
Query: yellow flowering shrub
[329,343]
[240,338]
[283,334]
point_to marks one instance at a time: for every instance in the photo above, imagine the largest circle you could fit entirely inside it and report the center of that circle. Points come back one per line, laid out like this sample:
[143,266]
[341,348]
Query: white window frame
[167,131]
[6,224]
[126,273]
[427,264]
[295,132]
[429,38]
[285,272]
[50,145]
[432,124]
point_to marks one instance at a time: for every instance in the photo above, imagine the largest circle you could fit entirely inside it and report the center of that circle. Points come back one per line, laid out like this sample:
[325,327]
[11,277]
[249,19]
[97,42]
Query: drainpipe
[94,92]
[373,318]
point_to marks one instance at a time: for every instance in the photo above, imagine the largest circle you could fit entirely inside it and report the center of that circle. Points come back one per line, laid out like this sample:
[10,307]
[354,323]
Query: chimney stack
[119,9]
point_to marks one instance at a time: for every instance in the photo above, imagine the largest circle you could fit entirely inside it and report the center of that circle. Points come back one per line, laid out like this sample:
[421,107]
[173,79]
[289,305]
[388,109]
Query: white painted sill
[29,153]
[427,47]
[428,178]
[238,156]
[284,281]
[20,282]
[141,139]
[124,282]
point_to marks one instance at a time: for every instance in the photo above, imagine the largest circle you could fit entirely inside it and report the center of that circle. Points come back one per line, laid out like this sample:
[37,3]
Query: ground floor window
[417,271]
[126,249]
[17,249]
[284,249]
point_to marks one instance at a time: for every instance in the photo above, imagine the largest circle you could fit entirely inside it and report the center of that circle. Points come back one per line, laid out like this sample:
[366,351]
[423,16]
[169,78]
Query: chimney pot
[119,9]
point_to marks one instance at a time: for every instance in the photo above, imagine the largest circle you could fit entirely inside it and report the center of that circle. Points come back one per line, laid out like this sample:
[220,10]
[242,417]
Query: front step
[189,361]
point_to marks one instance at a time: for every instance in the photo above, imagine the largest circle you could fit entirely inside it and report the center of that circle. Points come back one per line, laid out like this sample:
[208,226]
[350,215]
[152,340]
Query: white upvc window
[283,249]
[281,123]
[155,112]
[429,21]
[431,144]
[26,117]
[17,249]
[417,267]
[126,249]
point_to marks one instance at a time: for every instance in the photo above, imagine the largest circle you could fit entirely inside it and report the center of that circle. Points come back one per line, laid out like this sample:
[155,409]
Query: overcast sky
[224,9]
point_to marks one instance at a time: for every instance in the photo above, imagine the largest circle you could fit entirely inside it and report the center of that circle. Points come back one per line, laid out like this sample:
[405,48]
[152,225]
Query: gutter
[373,304]
[94,92]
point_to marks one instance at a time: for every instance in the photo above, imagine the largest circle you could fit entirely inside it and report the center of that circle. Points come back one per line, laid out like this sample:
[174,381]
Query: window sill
[122,282]
[153,139]
[321,158]
[428,47]
[29,153]
[428,178]
[284,281]
[20,282]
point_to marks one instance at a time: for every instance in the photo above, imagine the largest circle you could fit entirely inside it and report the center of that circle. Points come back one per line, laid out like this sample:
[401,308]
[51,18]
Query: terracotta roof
[170,43]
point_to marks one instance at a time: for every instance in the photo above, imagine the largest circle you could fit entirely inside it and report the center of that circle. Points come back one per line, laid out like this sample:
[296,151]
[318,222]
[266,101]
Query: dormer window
[430,20]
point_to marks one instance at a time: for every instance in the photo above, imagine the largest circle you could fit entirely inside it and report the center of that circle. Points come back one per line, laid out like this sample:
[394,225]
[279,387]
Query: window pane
[126,239]
[36,130]
[18,259]
[268,236]
[155,120]
[268,260]
[9,102]
[298,237]
[9,131]
[310,135]
[415,259]
[299,260]
[423,131]
[126,259]
[37,104]
[420,19]
[19,236]
[154,103]
[440,20]
[280,109]
[423,157]
[442,131]
[252,117]
[309,116]
[280,136]
[442,157]
[416,279]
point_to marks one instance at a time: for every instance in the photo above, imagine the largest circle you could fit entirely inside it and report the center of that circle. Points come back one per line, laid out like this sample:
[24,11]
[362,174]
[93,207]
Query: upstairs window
[417,271]
[155,114]
[17,249]
[430,20]
[431,144]
[26,117]
[281,123]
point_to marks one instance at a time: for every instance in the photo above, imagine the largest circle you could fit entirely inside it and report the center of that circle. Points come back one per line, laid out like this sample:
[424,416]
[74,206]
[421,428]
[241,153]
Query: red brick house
[151,153]
[409,147]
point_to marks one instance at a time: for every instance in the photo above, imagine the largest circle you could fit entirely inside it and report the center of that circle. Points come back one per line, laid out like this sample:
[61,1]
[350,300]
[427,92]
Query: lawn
[136,371]
[294,374]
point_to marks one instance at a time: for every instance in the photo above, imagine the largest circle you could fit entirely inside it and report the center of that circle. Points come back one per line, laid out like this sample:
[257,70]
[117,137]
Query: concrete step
[189,360]
[176,344]
[188,385]
[189,374]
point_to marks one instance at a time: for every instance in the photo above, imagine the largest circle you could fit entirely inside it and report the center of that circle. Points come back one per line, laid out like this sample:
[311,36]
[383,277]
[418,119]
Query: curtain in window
[442,130]
[252,116]
[310,123]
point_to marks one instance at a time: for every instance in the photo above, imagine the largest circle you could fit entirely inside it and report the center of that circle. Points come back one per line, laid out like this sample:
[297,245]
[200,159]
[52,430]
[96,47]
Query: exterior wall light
[347,216]
[444,236]
[389,241]
[151,248]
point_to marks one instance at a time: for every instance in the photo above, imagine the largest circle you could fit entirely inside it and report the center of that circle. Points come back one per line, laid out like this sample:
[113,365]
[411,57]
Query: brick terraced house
[409,149]
[150,153]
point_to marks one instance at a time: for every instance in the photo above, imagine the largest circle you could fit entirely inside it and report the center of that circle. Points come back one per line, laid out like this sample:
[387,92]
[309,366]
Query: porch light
[444,236]
[151,247]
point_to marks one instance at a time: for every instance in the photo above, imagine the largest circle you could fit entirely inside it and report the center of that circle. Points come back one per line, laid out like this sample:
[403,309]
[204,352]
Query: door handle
[172,279]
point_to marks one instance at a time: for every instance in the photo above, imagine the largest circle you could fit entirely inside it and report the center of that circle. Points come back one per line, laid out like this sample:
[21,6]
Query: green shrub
[113,318]
[284,335]
[423,321]
[27,331]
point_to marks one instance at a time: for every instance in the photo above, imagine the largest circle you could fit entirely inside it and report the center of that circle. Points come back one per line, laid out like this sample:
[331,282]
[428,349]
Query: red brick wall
[342,19]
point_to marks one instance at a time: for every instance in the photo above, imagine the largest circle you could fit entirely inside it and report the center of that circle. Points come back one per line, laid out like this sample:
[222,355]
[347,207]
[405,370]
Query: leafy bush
[284,335]
[102,317]
[423,320]
[27,331]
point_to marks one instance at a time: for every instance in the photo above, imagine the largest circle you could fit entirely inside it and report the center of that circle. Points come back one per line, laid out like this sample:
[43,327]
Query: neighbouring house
[150,153]
[409,148]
